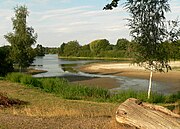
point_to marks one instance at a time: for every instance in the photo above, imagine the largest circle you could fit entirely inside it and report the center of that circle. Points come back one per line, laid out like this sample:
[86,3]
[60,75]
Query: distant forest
[102,48]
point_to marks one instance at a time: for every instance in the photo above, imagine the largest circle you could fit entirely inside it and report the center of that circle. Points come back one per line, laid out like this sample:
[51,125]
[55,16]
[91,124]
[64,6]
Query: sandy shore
[125,69]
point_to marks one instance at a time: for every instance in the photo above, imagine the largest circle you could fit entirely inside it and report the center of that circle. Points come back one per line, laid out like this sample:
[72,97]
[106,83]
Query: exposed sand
[126,69]
[105,82]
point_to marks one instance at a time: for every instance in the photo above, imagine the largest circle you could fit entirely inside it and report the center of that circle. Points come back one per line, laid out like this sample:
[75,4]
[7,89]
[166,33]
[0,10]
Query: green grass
[95,58]
[121,96]
[66,90]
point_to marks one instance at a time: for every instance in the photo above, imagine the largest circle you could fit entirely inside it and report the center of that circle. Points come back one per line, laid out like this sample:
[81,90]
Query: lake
[56,67]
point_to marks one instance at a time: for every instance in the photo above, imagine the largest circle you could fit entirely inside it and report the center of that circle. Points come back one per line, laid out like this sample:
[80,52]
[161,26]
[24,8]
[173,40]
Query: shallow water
[61,68]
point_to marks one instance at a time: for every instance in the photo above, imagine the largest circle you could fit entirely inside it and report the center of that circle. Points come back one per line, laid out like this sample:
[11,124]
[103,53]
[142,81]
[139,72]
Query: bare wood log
[146,116]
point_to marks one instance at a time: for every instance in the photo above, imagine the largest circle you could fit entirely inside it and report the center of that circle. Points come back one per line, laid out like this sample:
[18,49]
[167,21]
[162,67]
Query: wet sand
[103,82]
[125,69]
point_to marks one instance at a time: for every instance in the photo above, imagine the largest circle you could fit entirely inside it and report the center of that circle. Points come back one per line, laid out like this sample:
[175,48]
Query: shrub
[30,81]
[14,77]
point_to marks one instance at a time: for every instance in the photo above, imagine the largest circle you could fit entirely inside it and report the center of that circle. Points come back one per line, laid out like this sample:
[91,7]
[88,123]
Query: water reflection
[69,68]
[57,67]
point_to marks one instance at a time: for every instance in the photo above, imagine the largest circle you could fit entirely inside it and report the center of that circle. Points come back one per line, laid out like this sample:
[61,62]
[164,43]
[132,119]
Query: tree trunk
[141,115]
[150,83]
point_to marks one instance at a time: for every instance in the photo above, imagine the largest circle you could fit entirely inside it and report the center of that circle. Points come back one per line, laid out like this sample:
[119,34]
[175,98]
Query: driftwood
[146,116]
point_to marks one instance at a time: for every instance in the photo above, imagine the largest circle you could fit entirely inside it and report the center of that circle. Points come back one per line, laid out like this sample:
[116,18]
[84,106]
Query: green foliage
[54,85]
[85,51]
[40,50]
[176,50]
[21,39]
[30,81]
[6,64]
[70,49]
[14,77]
[123,95]
[173,97]
[122,44]
[98,46]
[60,87]
[150,31]
[123,49]
[86,93]
[51,50]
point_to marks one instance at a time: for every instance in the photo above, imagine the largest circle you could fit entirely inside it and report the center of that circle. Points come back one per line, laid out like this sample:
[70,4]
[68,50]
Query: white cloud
[82,23]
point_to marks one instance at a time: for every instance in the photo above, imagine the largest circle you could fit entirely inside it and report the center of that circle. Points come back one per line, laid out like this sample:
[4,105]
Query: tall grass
[61,87]
[66,90]
[14,77]
[141,95]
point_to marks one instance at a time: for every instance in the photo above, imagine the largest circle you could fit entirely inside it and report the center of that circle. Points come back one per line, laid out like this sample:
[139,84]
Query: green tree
[40,50]
[6,64]
[85,51]
[176,50]
[21,39]
[149,30]
[61,49]
[71,48]
[122,44]
[98,46]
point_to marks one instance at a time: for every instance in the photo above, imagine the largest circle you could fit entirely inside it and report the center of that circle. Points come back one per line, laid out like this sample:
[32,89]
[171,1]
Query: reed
[62,88]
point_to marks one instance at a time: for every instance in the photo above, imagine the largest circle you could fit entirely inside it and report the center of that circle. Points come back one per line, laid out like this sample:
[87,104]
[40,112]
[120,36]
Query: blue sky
[58,21]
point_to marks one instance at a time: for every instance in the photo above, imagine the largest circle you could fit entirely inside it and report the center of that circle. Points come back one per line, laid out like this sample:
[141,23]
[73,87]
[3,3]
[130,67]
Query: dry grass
[56,111]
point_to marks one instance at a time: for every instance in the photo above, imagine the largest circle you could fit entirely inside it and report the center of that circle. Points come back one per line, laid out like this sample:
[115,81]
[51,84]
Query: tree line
[122,49]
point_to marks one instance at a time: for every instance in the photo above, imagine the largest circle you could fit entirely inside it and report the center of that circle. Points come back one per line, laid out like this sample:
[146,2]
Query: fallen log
[142,115]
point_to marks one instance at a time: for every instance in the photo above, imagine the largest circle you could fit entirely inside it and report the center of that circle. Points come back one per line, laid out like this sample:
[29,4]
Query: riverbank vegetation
[66,90]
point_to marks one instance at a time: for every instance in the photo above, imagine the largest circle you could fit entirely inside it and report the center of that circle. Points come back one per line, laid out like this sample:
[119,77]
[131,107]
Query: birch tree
[149,29]
[21,39]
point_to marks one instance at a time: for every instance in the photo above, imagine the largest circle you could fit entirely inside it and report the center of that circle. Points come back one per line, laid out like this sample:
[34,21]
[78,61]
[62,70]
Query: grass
[47,110]
[49,105]
[95,58]
[66,90]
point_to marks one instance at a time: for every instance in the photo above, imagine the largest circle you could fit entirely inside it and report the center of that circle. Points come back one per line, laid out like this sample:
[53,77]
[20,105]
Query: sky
[58,21]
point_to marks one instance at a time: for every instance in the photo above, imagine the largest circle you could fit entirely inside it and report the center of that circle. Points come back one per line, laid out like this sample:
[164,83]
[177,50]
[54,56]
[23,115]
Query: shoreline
[125,69]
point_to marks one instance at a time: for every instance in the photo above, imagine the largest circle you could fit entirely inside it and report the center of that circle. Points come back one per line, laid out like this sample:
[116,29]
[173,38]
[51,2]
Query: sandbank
[133,71]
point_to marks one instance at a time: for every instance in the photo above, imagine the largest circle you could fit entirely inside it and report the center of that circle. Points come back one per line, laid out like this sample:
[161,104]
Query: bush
[14,77]
[30,81]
